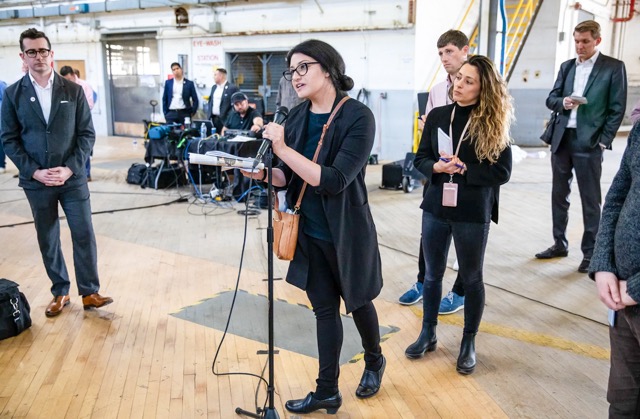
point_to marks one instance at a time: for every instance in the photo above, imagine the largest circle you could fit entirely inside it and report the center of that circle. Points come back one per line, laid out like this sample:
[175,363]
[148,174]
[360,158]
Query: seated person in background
[243,117]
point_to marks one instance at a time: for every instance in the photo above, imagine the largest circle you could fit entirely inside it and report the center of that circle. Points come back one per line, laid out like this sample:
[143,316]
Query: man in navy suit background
[220,99]
[590,96]
[48,134]
[179,99]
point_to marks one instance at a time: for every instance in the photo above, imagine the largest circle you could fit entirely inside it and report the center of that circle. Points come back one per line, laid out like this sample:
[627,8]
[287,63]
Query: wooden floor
[542,351]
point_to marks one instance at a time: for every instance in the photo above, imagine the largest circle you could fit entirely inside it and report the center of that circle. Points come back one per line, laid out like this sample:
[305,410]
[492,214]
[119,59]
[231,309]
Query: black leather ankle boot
[467,358]
[427,342]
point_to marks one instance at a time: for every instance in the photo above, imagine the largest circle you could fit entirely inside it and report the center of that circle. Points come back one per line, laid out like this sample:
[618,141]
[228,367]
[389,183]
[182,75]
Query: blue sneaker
[451,303]
[412,296]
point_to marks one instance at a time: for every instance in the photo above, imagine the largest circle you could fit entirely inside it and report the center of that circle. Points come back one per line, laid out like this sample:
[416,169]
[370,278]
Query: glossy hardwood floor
[542,350]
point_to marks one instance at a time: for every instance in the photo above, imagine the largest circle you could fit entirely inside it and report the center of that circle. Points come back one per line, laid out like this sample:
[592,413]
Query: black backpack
[137,174]
[14,310]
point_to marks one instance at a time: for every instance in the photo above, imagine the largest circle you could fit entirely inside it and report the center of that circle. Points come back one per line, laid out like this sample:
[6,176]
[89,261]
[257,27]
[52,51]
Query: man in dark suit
[220,99]
[179,100]
[590,95]
[48,134]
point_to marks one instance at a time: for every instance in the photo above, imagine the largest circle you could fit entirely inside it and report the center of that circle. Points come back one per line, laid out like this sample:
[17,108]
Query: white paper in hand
[580,100]
[445,144]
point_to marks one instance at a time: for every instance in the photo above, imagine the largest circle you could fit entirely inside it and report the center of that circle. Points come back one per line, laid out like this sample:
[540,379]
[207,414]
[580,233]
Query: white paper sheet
[445,144]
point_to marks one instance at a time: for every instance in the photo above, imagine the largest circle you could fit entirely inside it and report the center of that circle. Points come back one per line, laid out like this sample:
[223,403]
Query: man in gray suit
[590,96]
[48,134]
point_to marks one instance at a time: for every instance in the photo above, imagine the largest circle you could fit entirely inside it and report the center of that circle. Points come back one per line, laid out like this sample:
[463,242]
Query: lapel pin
[33,99]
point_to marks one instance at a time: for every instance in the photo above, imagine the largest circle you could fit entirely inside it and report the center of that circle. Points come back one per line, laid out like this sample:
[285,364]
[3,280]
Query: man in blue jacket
[179,99]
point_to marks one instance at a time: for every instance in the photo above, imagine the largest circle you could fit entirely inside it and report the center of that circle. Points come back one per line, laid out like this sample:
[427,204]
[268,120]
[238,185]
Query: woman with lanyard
[462,197]
[337,253]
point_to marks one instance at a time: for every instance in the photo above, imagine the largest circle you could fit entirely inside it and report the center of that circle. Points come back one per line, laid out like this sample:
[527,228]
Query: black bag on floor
[169,176]
[14,310]
[136,173]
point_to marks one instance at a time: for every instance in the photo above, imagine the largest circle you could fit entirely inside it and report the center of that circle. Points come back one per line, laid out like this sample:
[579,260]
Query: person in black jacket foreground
[337,253]
[462,197]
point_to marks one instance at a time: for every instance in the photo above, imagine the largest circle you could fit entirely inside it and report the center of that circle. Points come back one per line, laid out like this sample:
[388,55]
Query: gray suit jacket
[33,144]
[606,91]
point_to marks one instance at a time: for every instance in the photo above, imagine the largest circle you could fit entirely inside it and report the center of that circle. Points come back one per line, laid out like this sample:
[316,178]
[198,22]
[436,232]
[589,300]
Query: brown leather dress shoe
[56,305]
[95,300]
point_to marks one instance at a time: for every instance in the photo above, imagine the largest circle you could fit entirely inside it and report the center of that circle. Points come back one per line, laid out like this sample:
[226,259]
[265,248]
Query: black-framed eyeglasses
[301,69]
[31,53]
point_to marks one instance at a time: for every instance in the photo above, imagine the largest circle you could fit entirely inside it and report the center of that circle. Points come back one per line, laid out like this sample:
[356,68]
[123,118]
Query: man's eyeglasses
[31,53]
[301,69]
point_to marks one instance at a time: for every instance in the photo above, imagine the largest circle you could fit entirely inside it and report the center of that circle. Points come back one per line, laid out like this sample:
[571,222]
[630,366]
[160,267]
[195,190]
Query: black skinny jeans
[471,241]
[324,292]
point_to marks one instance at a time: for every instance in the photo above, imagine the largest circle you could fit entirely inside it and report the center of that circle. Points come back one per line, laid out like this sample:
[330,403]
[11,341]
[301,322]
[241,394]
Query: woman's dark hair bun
[346,83]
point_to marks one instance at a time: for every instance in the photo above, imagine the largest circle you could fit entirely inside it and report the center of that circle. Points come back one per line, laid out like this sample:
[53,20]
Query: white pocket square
[64,101]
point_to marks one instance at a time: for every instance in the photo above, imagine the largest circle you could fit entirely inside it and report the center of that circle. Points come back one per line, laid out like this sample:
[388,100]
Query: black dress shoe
[370,381]
[467,358]
[584,266]
[554,251]
[311,404]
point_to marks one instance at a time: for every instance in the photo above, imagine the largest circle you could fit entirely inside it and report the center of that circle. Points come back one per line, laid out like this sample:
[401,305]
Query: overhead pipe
[503,47]
[632,9]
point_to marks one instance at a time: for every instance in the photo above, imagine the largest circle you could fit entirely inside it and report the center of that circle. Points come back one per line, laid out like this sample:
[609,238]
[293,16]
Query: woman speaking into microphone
[337,253]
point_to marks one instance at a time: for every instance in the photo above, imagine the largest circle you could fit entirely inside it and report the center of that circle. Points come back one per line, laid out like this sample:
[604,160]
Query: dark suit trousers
[623,393]
[176,116]
[76,205]
[587,164]
[324,291]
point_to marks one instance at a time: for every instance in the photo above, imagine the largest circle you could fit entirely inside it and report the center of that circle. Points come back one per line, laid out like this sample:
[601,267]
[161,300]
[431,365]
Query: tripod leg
[247,413]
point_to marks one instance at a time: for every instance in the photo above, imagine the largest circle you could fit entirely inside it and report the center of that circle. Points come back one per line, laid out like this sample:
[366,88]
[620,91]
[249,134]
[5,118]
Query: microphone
[280,116]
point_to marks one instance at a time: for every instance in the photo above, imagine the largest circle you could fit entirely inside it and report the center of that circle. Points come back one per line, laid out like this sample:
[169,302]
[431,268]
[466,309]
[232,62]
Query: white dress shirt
[177,102]
[217,98]
[583,71]
[44,95]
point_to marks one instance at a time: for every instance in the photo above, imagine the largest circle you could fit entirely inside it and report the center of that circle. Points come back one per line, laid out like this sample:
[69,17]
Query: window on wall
[257,74]
[133,69]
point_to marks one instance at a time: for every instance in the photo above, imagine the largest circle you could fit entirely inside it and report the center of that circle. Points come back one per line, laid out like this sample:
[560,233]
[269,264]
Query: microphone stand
[270,412]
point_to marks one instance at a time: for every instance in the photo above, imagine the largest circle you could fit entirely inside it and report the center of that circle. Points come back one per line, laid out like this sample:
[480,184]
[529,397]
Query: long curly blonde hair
[491,119]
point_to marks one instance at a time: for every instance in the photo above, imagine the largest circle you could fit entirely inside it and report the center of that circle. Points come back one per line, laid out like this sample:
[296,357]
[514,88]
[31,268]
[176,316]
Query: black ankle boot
[467,358]
[427,342]
[311,404]
[370,381]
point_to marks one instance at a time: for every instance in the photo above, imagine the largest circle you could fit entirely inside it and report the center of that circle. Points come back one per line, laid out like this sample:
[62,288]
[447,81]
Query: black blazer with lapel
[32,144]
[606,93]
[189,96]
[343,161]
[225,102]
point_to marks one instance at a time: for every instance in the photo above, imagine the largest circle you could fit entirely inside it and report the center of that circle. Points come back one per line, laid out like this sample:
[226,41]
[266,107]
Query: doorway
[257,74]
[133,72]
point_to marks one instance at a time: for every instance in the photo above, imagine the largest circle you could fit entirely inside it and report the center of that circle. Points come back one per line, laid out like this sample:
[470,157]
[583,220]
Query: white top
[44,95]
[583,71]
[176,100]
[217,98]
